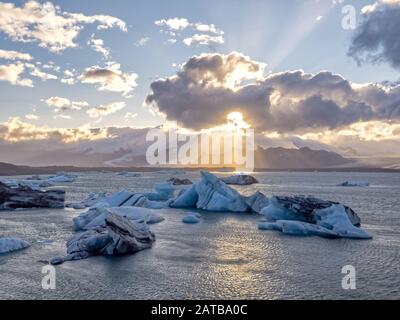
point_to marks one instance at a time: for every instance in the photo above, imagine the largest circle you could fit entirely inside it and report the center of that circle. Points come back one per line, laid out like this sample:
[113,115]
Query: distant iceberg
[35,182]
[25,197]
[354,184]
[12,244]
[240,179]
[129,174]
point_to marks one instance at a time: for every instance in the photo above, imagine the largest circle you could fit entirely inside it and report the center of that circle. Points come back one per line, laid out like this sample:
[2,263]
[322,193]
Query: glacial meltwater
[224,256]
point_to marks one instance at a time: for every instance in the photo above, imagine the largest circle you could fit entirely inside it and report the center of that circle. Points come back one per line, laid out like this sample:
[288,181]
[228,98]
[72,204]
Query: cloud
[98,46]
[210,86]
[64,104]
[31,116]
[110,78]
[130,116]
[15,130]
[12,74]
[179,24]
[174,23]
[69,81]
[36,72]
[210,34]
[14,55]
[48,25]
[103,110]
[142,42]
[377,37]
[203,39]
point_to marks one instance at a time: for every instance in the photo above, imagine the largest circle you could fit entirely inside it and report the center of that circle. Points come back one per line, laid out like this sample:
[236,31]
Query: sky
[70,70]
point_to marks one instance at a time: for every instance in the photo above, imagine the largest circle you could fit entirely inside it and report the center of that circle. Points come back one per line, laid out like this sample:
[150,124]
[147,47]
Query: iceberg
[12,244]
[215,195]
[62,177]
[129,174]
[270,226]
[335,218]
[177,181]
[354,184]
[115,200]
[96,217]
[301,208]
[257,201]
[26,197]
[119,236]
[240,179]
[187,198]
[162,192]
[89,201]
[212,194]
[311,216]
[30,183]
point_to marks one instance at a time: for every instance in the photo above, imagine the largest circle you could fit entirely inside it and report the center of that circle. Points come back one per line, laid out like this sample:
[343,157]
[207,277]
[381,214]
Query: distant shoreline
[7,169]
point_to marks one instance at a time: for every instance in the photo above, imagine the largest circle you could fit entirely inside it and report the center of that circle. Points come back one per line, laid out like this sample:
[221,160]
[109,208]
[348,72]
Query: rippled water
[224,256]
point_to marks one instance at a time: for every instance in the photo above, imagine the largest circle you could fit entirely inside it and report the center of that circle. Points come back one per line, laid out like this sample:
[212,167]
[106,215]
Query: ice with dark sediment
[240,179]
[95,217]
[26,197]
[301,215]
[352,183]
[119,236]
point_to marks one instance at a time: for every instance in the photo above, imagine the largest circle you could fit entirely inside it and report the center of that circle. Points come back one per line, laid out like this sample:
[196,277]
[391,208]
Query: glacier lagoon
[225,255]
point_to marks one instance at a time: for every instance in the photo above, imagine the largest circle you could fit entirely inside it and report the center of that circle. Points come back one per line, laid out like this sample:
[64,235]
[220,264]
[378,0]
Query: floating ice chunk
[240,179]
[12,244]
[171,172]
[129,174]
[354,184]
[62,177]
[311,216]
[257,201]
[26,197]
[36,182]
[150,204]
[301,208]
[80,222]
[187,198]
[119,236]
[90,200]
[215,195]
[30,183]
[177,181]
[191,218]
[336,219]
[305,229]
[274,212]
[118,199]
[136,200]
[163,192]
[270,226]
[96,217]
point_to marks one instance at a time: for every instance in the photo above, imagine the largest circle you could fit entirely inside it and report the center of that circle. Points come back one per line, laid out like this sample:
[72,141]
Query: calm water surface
[224,256]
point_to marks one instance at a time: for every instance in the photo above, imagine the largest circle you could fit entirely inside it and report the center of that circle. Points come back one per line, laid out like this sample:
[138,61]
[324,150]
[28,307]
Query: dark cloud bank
[210,86]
